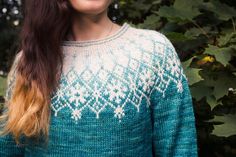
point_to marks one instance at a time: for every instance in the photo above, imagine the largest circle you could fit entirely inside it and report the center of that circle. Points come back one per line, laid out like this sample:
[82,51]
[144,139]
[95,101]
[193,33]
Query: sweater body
[125,95]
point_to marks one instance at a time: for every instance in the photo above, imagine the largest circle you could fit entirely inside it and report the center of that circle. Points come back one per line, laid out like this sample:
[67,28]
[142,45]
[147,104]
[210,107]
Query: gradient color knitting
[125,95]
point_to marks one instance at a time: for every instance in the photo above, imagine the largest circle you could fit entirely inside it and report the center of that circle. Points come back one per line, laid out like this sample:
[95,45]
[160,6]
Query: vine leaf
[3,82]
[228,127]
[222,55]
[220,80]
[197,88]
[191,73]
[221,10]
[229,38]
[150,22]
[211,100]
[195,32]
[181,11]
[222,85]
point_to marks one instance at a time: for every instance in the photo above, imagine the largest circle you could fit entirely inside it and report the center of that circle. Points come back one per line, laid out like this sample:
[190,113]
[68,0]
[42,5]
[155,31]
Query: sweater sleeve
[174,131]
[8,146]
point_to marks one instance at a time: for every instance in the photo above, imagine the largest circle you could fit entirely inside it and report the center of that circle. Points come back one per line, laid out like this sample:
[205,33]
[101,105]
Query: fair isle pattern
[112,79]
[125,95]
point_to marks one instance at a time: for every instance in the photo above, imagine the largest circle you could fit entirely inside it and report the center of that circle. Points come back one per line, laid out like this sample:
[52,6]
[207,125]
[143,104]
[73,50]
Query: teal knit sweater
[125,95]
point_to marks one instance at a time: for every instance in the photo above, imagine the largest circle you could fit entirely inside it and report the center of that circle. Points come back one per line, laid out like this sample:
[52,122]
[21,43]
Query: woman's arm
[8,147]
[174,131]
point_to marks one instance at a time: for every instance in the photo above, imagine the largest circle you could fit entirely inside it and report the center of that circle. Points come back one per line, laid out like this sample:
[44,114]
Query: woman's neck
[91,27]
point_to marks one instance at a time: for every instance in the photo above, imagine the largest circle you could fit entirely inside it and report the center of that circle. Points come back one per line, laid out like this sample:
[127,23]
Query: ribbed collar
[109,38]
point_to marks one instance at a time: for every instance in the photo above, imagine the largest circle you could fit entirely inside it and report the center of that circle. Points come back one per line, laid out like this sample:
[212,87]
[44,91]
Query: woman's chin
[90,6]
[91,11]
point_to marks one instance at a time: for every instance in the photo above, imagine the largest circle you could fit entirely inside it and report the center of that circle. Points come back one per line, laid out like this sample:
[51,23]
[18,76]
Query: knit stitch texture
[125,95]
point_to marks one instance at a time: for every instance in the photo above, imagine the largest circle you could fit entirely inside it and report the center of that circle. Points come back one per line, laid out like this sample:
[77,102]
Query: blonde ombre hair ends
[36,70]
[26,111]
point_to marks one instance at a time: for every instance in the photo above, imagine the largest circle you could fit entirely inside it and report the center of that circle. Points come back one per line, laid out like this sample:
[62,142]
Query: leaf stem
[203,31]
[233,24]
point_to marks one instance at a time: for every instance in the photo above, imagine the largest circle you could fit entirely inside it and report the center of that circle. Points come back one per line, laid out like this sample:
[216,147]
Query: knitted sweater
[125,95]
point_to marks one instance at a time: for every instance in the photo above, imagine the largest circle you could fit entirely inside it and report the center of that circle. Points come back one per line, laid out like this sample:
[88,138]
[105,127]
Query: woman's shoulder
[166,62]
[150,34]
[153,41]
[158,44]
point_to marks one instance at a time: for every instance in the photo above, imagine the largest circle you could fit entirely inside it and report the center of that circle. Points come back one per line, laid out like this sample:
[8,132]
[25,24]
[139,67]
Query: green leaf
[229,38]
[181,11]
[222,10]
[3,82]
[136,9]
[151,22]
[171,14]
[222,55]
[220,80]
[226,129]
[177,37]
[195,32]
[222,85]
[191,73]
[211,100]
[200,90]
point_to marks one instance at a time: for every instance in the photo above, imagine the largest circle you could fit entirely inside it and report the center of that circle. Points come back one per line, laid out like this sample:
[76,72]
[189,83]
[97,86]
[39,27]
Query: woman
[84,86]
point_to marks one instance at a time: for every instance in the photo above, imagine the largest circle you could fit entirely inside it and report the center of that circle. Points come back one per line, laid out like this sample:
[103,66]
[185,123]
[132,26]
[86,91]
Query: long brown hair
[37,67]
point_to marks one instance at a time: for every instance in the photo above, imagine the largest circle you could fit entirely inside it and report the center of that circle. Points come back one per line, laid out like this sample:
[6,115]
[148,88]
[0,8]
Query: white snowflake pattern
[119,112]
[116,91]
[146,79]
[76,114]
[78,94]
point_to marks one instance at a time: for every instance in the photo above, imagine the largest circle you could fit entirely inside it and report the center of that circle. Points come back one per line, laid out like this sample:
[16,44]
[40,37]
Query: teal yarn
[125,95]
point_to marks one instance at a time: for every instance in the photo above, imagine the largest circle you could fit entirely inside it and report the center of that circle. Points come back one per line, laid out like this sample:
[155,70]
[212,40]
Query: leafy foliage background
[204,35]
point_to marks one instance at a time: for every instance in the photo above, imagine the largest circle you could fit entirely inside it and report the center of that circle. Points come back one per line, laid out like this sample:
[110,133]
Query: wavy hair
[36,68]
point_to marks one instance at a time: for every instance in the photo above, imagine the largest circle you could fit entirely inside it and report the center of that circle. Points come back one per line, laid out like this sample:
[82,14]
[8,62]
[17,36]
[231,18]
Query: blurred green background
[204,35]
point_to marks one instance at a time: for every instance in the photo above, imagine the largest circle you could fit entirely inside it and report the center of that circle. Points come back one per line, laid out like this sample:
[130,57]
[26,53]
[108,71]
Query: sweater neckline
[124,27]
